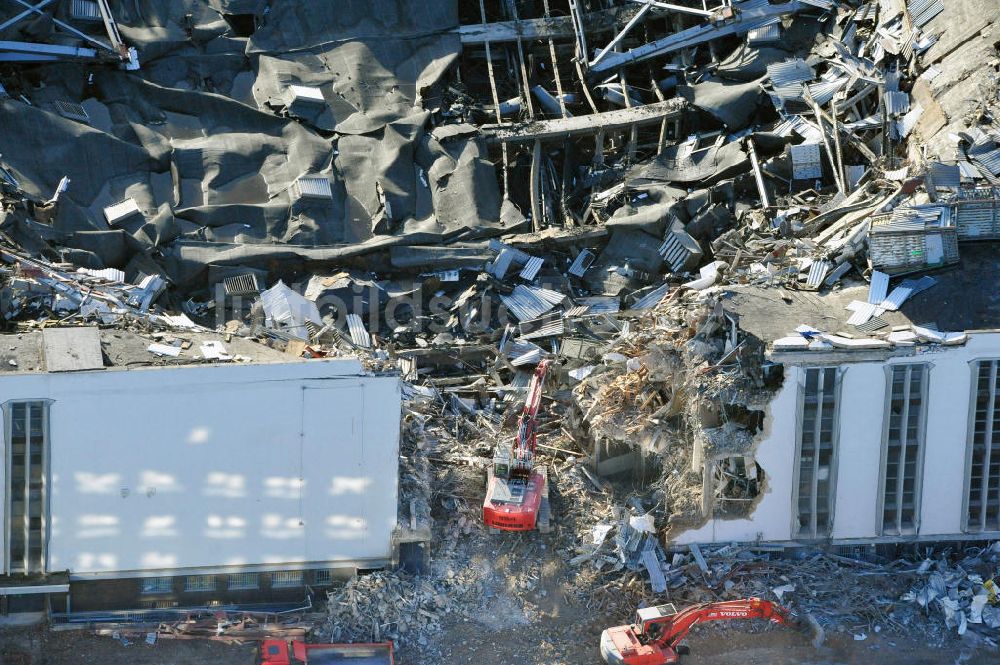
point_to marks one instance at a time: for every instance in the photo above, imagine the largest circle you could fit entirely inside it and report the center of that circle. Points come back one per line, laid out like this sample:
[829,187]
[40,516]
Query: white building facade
[210,470]
[866,447]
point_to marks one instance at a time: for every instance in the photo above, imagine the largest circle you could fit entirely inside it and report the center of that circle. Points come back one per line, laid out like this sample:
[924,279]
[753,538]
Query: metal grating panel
[531,268]
[359,335]
[879,287]
[85,10]
[118,212]
[977,219]
[313,187]
[72,111]
[766,34]
[806,161]
[872,324]
[242,285]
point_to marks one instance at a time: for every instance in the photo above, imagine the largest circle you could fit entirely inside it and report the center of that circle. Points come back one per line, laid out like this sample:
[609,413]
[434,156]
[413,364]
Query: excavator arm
[655,637]
[527,424]
[677,626]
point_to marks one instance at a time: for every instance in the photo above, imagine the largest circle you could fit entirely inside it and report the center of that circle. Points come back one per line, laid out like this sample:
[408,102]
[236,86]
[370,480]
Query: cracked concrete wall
[775,453]
[858,463]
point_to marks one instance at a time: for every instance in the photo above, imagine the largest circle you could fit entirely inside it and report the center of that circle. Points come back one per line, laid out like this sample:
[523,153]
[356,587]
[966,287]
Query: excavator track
[542,523]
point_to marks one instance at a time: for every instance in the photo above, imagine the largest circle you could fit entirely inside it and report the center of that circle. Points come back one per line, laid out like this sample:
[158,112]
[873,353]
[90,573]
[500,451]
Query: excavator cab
[649,620]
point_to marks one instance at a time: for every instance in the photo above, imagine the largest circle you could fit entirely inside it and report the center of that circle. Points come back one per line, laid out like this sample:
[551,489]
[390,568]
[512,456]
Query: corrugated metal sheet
[871,122]
[502,263]
[896,299]
[878,288]
[866,12]
[896,103]
[651,299]
[862,313]
[529,357]
[551,328]
[789,72]
[579,310]
[548,295]
[531,268]
[947,176]
[988,160]
[824,91]
[918,285]
[806,161]
[909,120]
[922,11]
[601,304]
[817,273]
[582,261]
[359,335]
[525,304]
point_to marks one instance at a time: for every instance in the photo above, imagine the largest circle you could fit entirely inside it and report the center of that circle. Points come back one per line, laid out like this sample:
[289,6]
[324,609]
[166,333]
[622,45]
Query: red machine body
[515,488]
[657,632]
[280,652]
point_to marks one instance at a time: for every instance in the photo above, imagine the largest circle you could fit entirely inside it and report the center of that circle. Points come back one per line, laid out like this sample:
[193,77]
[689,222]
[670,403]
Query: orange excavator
[516,489]
[655,637]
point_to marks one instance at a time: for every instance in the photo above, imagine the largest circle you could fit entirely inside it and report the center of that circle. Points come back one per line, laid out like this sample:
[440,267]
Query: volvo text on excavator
[654,638]
[517,489]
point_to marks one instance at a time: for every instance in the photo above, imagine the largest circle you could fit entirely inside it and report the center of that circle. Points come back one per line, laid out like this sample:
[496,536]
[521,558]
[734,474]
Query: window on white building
[983,501]
[199,583]
[26,434]
[904,441]
[286,578]
[244,581]
[151,585]
[817,453]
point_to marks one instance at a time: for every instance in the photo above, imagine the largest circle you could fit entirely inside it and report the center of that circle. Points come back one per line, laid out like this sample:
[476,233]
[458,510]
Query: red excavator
[517,490]
[280,652]
[654,638]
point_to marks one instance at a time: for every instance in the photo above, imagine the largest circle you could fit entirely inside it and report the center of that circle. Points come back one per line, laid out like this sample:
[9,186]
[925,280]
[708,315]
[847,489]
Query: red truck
[280,652]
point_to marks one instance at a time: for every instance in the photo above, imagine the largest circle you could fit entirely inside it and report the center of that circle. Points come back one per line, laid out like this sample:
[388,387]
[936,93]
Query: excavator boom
[654,638]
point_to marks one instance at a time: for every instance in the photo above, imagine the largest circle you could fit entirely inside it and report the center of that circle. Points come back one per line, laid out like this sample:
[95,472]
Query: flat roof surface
[966,297]
[34,351]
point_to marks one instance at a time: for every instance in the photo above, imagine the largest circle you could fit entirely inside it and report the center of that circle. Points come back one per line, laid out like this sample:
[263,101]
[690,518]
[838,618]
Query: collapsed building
[757,237]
